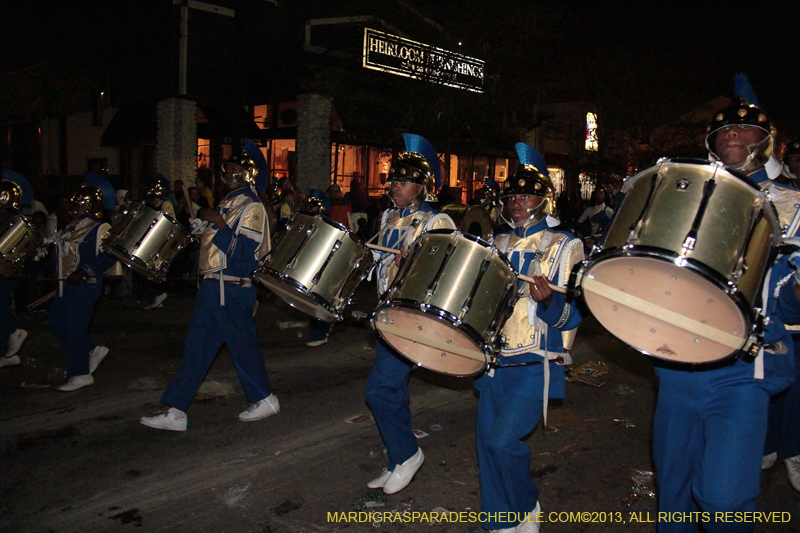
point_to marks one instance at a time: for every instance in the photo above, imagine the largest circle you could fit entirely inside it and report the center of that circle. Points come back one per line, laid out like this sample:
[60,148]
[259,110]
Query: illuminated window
[262,116]
[591,132]
[203,152]
[587,186]
[557,177]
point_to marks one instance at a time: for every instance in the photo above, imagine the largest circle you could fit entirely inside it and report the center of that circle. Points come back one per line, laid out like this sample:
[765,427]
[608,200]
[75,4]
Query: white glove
[197,226]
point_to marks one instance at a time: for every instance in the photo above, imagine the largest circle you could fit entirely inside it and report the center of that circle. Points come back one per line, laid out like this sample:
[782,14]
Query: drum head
[665,310]
[297,296]
[429,341]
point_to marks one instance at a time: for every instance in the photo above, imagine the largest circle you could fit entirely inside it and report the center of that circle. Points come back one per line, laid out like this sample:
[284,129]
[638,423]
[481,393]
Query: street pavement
[81,461]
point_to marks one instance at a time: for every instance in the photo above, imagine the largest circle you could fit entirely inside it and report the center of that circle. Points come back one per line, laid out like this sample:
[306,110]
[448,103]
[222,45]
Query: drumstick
[383,248]
[530,280]
[40,301]
[188,202]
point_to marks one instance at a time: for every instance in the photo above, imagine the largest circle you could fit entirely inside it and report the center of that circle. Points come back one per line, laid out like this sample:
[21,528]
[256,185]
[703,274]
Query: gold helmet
[87,200]
[314,205]
[10,194]
[239,170]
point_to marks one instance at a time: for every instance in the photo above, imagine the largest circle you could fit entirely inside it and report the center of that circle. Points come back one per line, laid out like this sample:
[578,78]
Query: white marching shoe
[793,470]
[531,522]
[9,361]
[403,474]
[77,382]
[379,481]
[769,460]
[96,357]
[258,411]
[15,341]
[157,303]
[172,420]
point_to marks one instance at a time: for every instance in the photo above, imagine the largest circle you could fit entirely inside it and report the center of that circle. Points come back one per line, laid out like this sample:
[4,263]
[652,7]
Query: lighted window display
[347,163]
[379,162]
[283,153]
[203,153]
[587,186]
[557,177]
[262,116]
[591,132]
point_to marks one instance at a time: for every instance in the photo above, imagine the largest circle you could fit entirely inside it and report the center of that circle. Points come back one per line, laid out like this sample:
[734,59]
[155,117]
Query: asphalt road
[81,461]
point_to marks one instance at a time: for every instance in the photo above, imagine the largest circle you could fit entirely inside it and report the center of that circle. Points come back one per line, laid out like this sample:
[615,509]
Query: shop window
[203,153]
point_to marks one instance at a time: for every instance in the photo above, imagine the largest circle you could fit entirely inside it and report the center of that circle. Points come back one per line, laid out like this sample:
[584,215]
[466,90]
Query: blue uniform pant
[318,329]
[783,427]
[708,435]
[212,326]
[388,397]
[7,326]
[509,408]
[69,320]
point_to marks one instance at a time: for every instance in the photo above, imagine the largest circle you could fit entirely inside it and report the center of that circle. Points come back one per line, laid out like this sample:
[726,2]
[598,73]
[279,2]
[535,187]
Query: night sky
[652,63]
[645,64]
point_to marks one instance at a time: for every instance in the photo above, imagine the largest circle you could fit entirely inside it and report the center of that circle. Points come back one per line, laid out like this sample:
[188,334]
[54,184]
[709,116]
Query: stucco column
[313,141]
[176,150]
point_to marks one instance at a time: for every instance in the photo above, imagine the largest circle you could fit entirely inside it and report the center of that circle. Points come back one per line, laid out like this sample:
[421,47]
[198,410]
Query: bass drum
[683,262]
[471,219]
[448,303]
[147,240]
[19,241]
[315,266]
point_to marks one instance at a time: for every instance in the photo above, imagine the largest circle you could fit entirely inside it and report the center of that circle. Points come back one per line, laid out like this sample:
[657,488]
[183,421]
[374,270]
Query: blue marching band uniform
[15,191]
[711,421]
[538,337]
[229,253]
[81,265]
[387,391]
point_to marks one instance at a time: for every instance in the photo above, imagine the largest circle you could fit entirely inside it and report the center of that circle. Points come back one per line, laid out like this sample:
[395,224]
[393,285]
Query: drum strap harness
[534,321]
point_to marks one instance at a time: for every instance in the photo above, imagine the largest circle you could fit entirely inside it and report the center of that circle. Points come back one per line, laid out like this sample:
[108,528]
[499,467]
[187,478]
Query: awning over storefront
[132,123]
[138,123]
[220,122]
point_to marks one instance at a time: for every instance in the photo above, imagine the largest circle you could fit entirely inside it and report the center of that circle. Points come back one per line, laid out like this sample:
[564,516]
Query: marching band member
[783,427]
[12,191]
[412,175]
[538,336]
[232,242]
[156,198]
[710,421]
[81,264]
[790,165]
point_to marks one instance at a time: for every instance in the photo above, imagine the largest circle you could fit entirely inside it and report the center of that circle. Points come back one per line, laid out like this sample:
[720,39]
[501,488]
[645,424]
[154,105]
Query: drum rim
[694,266]
[692,161]
[475,239]
[443,315]
[301,289]
[337,225]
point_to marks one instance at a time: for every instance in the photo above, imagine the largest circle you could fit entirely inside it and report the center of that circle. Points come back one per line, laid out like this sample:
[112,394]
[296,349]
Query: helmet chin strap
[773,168]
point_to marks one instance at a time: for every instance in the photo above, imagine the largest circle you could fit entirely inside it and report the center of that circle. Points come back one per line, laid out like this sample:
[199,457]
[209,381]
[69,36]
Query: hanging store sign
[396,55]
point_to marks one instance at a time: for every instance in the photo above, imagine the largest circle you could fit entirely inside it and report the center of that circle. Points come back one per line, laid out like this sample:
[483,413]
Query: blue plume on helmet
[109,194]
[528,155]
[743,88]
[421,145]
[263,175]
[24,184]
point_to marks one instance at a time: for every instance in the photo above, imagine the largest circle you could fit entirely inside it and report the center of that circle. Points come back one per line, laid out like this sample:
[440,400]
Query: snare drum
[472,219]
[683,261]
[19,241]
[448,303]
[147,240]
[315,266]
